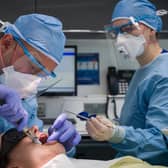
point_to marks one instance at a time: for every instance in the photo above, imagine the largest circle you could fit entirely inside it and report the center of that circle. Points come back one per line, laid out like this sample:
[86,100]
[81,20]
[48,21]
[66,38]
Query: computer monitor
[65,76]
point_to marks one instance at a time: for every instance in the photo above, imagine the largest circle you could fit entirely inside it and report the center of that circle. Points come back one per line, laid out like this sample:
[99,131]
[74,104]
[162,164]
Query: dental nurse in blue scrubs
[30,49]
[143,122]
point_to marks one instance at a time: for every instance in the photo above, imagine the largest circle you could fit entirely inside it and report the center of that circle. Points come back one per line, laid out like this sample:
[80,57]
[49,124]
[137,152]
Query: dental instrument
[82,115]
[44,90]
[32,136]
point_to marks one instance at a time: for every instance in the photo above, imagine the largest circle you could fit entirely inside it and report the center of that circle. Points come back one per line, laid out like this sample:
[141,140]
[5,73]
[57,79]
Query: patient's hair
[9,141]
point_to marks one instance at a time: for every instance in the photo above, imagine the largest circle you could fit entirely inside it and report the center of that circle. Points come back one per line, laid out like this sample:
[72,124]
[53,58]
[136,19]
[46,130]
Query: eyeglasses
[113,31]
[128,27]
[34,60]
[9,140]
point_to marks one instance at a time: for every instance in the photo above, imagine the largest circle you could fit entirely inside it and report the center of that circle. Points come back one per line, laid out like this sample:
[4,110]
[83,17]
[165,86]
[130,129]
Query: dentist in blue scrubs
[142,131]
[30,50]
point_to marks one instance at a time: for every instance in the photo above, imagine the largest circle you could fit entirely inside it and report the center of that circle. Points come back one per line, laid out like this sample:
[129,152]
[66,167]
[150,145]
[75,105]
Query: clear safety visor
[113,31]
[45,85]
[28,63]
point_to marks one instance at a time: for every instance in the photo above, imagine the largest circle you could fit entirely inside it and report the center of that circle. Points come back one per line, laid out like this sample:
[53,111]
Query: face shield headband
[34,60]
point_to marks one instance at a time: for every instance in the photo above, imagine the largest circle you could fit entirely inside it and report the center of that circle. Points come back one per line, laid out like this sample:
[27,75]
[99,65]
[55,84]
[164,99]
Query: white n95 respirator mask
[25,84]
[129,45]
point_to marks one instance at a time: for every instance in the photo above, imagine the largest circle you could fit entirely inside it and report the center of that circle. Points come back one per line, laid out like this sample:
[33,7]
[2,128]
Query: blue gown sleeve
[148,142]
[31,105]
[4,125]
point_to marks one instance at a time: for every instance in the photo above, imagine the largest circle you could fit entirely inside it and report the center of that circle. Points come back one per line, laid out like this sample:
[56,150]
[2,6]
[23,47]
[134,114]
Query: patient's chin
[56,147]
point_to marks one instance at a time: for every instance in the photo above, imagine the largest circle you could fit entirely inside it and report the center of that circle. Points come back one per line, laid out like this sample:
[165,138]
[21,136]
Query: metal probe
[32,136]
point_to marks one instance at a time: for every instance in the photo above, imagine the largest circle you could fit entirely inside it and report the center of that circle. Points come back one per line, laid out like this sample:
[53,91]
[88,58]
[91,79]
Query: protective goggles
[113,31]
[36,67]
[9,141]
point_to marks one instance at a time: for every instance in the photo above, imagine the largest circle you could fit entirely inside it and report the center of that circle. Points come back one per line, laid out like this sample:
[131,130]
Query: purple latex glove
[64,132]
[12,109]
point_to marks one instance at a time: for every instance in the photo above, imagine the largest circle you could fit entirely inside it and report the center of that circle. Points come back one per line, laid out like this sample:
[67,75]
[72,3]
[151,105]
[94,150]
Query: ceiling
[75,14]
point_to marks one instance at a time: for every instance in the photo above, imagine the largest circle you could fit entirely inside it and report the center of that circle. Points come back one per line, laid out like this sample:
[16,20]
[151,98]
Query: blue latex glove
[64,132]
[12,109]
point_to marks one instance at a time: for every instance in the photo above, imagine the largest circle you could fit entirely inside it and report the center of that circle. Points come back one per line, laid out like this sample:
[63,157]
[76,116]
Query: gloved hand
[64,132]
[12,109]
[102,129]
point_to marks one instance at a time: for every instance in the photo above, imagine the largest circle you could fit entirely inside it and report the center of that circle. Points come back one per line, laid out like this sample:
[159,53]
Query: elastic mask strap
[34,60]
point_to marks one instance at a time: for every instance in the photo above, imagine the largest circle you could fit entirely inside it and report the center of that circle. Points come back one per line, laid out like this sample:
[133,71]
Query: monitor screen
[65,76]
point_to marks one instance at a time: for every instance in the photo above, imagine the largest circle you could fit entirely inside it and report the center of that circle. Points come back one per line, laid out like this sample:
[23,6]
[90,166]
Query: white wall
[105,59]
[108,57]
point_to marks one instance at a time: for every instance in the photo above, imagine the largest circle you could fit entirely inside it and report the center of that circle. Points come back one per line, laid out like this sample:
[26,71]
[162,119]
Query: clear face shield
[43,86]
[28,70]
[31,62]
[26,73]
[127,38]
[25,65]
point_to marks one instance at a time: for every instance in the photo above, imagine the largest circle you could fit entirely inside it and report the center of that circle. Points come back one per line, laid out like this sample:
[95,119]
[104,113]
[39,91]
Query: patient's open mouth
[43,138]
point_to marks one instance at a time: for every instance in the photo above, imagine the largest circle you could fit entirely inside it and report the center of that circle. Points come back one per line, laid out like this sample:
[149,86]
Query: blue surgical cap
[142,10]
[42,32]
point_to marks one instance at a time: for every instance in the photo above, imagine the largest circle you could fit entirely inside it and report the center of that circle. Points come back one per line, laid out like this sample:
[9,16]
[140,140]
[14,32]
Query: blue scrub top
[145,114]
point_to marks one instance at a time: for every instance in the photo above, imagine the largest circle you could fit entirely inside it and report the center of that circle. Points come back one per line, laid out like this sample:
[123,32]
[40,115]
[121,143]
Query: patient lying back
[18,150]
